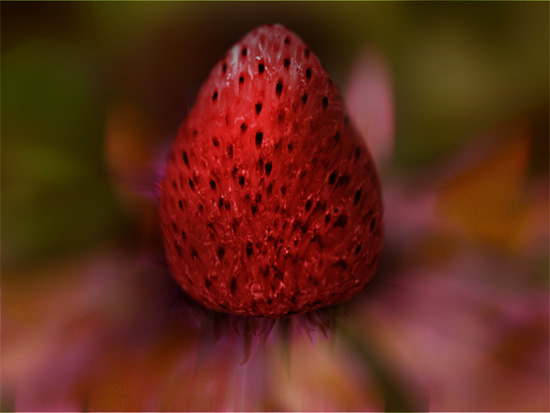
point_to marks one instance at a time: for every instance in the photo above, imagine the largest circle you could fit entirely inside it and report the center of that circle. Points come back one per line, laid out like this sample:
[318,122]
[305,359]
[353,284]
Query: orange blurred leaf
[487,200]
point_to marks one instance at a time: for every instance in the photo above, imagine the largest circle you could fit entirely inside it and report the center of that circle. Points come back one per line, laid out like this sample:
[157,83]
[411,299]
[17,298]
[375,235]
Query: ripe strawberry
[270,204]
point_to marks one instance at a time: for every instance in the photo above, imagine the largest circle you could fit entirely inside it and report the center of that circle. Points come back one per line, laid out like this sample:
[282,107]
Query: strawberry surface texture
[270,204]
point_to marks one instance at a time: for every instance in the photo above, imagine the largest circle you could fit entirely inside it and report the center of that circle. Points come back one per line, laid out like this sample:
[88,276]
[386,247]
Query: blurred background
[453,99]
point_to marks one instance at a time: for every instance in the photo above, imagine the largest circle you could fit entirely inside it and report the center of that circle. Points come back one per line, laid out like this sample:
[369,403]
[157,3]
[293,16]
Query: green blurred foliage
[468,68]
[55,194]
[458,69]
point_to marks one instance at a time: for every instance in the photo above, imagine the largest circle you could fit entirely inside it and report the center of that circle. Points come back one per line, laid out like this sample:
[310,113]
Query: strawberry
[270,204]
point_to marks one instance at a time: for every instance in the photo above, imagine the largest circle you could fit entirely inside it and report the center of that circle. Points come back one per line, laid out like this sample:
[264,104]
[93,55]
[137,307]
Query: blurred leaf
[460,71]
[52,94]
[487,201]
[55,194]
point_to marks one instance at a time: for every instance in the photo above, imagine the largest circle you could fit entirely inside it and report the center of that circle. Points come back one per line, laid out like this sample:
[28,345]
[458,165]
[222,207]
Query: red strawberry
[270,204]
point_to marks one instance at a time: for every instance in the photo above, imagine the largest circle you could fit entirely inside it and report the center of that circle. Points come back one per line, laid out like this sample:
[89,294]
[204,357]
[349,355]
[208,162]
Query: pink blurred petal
[409,212]
[369,96]
[468,326]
